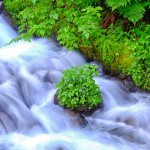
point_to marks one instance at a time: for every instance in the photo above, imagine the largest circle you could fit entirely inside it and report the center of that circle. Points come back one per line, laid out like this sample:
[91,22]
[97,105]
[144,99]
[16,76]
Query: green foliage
[134,10]
[77,89]
[33,18]
[33,1]
[139,45]
[70,19]
[78,23]
[128,52]
[77,2]
[114,4]
[110,44]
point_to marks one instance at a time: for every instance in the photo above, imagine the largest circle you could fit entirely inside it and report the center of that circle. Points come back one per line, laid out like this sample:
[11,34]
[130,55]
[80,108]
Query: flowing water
[29,120]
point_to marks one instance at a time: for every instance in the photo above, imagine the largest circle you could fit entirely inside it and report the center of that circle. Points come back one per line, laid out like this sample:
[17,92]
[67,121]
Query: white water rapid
[29,120]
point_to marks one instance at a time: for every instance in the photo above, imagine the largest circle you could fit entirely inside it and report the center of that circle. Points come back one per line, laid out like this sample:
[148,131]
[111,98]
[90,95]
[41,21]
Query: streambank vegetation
[114,32]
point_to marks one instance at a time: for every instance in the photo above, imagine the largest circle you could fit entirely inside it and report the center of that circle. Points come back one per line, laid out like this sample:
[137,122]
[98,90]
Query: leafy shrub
[77,89]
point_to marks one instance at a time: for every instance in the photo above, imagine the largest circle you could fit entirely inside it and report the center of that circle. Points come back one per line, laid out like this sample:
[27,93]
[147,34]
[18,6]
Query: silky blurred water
[29,120]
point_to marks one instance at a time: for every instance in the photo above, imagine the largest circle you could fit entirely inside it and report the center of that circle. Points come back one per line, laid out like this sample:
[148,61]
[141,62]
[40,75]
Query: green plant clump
[77,89]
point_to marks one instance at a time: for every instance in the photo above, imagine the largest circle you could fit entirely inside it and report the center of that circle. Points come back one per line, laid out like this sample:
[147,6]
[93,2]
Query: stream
[29,119]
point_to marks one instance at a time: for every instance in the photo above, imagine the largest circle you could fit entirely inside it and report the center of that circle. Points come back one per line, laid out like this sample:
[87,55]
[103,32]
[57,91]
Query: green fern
[133,12]
[114,4]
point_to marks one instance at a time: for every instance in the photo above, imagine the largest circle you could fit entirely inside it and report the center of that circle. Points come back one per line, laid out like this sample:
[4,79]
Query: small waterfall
[29,119]
[7,32]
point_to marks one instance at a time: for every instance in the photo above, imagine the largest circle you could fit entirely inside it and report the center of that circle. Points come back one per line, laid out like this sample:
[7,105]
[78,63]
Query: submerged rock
[53,76]
[131,86]
[77,119]
[55,100]
[82,121]
[109,71]
[126,80]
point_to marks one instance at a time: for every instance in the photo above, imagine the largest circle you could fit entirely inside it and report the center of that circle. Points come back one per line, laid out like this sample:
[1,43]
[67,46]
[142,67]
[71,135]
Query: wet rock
[42,75]
[77,118]
[59,148]
[82,121]
[88,59]
[55,100]
[54,38]
[131,86]
[126,80]
[52,77]
[109,71]
[129,121]
[122,76]
[105,70]
[88,112]
[1,6]
[46,78]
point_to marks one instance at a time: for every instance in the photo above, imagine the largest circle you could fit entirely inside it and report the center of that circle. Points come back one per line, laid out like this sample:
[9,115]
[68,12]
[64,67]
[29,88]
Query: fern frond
[146,4]
[134,12]
[114,4]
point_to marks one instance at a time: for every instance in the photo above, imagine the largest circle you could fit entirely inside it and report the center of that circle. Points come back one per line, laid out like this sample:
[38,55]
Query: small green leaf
[33,1]
[87,35]
[55,16]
